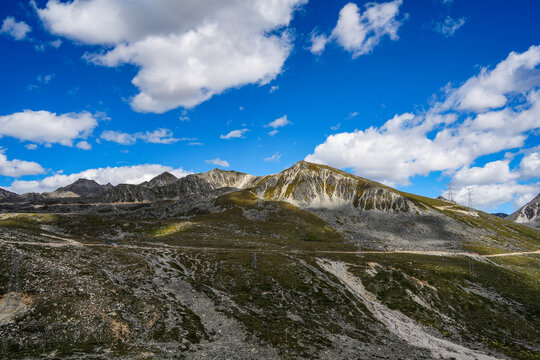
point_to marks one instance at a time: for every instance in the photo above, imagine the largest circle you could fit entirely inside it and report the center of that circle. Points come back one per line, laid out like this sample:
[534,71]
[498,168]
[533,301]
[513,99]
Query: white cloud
[488,196]
[234,134]
[492,89]
[273,132]
[449,26]
[115,175]
[359,33]
[14,28]
[44,127]
[218,162]
[158,136]
[490,185]
[187,51]
[274,157]
[473,120]
[280,122]
[31,146]
[118,137]
[530,165]
[16,168]
[492,172]
[274,89]
[318,43]
[84,145]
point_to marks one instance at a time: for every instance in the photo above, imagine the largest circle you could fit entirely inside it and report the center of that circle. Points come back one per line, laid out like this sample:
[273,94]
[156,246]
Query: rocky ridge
[529,214]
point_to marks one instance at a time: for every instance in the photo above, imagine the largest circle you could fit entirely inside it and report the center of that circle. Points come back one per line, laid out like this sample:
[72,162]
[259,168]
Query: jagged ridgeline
[528,214]
[311,262]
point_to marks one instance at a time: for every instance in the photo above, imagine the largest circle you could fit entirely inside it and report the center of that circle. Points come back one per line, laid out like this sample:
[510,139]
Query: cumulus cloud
[115,175]
[491,112]
[44,127]
[449,26]
[530,165]
[318,43]
[359,33]
[488,196]
[234,134]
[218,162]
[16,168]
[158,136]
[490,185]
[492,172]
[84,145]
[17,29]
[187,51]
[492,89]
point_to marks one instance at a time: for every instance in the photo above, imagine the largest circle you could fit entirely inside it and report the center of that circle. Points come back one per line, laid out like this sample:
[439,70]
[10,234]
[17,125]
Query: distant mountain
[8,195]
[529,214]
[163,187]
[501,215]
[81,187]
[161,180]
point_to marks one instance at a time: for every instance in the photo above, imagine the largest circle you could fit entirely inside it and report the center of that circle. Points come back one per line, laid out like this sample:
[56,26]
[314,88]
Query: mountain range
[306,185]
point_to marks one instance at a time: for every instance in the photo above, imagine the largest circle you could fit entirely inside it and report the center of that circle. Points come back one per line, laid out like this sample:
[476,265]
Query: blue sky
[158,86]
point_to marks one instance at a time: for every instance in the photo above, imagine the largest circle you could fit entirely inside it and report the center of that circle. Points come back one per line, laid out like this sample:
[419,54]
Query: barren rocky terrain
[241,267]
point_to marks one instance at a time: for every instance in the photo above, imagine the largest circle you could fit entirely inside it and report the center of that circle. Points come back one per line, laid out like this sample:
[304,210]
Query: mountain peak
[162,179]
[82,187]
[529,214]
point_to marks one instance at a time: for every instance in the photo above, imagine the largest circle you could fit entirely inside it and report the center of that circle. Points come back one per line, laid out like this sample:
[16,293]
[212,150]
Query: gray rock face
[180,189]
[8,195]
[161,180]
[529,214]
[82,187]
[126,193]
[310,185]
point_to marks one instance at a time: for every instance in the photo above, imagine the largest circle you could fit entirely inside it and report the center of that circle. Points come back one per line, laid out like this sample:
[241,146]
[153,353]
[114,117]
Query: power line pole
[450,192]
[469,197]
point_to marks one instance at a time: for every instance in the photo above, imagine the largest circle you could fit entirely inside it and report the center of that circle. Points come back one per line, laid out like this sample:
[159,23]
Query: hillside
[311,262]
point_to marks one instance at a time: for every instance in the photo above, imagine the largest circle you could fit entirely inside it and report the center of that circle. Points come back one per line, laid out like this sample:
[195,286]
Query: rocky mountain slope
[161,180]
[529,214]
[83,187]
[8,195]
[310,263]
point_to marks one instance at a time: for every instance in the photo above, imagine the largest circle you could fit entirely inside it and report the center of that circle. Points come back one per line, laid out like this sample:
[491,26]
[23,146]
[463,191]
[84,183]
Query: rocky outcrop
[126,193]
[161,180]
[529,214]
[318,186]
[6,196]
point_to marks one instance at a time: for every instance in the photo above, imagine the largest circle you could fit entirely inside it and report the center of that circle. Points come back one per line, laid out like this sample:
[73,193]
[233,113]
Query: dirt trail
[72,242]
[396,322]
[69,241]
[514,254]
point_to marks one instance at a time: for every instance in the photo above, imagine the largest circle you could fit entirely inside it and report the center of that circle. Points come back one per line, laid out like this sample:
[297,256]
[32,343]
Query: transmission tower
[469,197]
[450,192]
